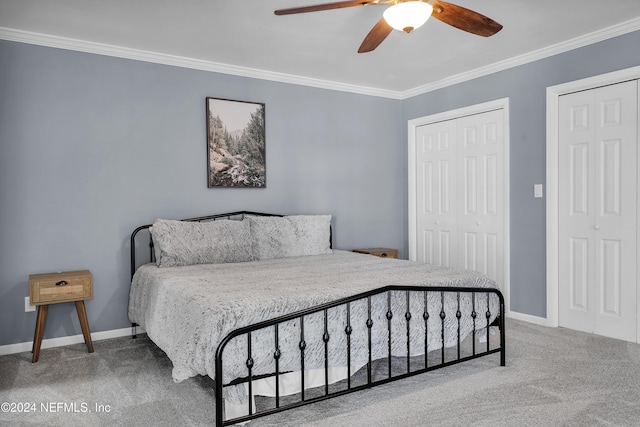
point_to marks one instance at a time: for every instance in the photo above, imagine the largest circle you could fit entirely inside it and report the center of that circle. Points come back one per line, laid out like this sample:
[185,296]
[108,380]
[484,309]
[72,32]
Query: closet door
[598,160]
[459,193]
[436,216]
[480,190]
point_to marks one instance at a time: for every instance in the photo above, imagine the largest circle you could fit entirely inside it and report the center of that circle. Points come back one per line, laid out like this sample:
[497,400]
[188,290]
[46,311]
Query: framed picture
[235,144]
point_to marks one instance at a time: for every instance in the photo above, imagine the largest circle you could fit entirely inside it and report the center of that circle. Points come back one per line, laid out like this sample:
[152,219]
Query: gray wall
[93,146]
[525,86]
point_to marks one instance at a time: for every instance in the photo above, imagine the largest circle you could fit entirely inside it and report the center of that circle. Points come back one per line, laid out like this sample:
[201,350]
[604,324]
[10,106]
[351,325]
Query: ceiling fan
[407,15]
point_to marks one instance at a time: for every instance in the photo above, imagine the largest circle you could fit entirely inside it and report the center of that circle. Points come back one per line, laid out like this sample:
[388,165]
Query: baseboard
[62,341]
[542,321]
[116,333]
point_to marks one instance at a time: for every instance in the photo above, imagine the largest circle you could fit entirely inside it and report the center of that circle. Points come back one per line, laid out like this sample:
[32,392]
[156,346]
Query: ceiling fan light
[408,15]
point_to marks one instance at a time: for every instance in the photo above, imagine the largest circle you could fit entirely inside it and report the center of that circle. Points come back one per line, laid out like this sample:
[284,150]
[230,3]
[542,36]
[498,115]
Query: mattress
[188,310]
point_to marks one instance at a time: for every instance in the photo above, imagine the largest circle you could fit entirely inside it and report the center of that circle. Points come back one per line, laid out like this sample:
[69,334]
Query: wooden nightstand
[53,288]
[379,252]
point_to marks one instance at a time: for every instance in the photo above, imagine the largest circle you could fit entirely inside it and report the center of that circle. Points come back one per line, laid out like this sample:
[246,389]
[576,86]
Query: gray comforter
[187,310]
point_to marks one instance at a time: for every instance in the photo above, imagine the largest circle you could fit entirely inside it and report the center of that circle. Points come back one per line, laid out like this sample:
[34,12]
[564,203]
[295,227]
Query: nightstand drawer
[52,288]
[379,252]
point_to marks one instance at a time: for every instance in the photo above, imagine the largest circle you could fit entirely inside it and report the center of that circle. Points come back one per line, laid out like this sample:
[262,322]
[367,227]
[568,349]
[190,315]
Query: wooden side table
[54,288]
[379,252]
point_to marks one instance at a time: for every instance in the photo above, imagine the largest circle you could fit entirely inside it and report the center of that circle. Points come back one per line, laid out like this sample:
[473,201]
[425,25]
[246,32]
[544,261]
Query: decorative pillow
[289,236]
[180,243]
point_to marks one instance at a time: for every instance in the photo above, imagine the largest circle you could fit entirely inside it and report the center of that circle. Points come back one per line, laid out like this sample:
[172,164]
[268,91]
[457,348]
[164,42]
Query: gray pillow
[179,243]
[289,236]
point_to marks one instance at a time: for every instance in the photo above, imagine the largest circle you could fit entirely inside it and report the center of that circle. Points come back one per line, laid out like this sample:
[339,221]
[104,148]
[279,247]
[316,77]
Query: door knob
[597,227]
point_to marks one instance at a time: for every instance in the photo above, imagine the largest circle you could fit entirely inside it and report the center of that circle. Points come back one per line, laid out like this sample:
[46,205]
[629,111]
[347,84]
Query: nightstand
[54,288]
[379,252]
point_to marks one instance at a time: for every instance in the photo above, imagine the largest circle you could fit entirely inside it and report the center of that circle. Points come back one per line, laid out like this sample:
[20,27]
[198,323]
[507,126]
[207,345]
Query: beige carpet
[553,377]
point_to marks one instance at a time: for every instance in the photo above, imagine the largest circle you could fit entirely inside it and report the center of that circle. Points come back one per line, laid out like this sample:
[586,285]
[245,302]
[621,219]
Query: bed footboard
[420,329]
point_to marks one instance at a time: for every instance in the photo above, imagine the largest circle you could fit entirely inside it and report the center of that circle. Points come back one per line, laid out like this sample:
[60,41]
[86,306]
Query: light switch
[537,190]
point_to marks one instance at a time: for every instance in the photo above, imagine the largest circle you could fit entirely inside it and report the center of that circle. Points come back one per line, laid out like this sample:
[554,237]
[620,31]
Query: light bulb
[408,15]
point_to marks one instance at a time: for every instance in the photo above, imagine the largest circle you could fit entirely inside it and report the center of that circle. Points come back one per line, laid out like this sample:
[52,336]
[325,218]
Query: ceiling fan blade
[326,6]
[378,33]
[465,19]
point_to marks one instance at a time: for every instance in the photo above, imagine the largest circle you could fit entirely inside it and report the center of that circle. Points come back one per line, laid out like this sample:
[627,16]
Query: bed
[262,305]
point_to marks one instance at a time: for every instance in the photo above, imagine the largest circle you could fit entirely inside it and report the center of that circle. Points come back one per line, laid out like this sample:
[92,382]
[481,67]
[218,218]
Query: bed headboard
[142,245]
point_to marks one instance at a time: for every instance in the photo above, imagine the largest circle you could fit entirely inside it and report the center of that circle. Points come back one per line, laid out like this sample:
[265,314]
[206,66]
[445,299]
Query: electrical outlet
[28,307]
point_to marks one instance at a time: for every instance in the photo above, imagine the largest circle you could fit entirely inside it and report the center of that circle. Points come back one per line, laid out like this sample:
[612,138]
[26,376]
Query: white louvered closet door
[598,166]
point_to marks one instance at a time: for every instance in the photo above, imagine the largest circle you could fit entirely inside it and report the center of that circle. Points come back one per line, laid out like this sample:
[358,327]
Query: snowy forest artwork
[235,144]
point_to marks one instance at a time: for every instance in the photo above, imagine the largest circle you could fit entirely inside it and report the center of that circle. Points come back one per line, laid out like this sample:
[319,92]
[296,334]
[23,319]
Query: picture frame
[236,145]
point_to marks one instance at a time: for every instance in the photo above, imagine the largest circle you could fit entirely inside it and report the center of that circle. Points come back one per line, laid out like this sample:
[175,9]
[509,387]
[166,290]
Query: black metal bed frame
[409,292]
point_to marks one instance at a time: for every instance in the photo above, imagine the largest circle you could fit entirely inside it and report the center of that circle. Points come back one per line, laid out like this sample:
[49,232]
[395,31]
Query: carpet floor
[553,377]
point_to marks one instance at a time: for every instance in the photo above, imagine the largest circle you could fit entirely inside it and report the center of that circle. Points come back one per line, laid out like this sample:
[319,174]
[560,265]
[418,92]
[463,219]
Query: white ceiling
[245,37]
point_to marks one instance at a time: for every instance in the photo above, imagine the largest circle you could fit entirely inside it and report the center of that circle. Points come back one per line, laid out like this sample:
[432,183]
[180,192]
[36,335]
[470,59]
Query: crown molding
[575,43]
[198,64]
[47,40]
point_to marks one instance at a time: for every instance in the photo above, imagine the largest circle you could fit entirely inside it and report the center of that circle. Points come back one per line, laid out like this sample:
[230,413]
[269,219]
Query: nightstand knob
[383,254]
[62,283]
